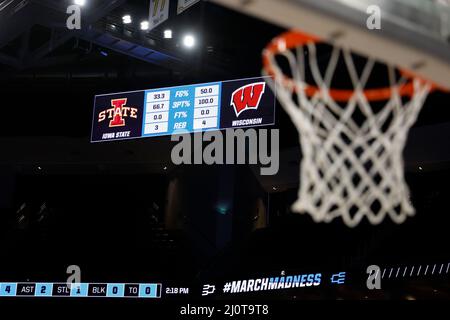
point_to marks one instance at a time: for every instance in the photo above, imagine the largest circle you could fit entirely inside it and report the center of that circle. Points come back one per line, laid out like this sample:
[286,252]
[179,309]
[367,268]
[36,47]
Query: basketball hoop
[352,165]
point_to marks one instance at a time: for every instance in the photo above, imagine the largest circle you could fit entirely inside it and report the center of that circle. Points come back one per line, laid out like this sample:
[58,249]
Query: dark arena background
[128,224]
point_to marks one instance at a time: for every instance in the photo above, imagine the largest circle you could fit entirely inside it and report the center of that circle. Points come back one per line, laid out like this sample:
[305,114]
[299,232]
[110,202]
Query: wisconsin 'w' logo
[247,97]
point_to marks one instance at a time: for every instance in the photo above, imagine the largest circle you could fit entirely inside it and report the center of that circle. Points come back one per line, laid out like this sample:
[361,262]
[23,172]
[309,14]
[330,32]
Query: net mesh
[352,164]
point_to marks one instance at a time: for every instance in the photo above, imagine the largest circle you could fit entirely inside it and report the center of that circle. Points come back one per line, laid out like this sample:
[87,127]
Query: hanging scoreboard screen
[199,107]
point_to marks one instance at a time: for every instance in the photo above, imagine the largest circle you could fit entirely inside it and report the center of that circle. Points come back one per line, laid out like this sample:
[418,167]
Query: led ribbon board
[79,290]
[199,107]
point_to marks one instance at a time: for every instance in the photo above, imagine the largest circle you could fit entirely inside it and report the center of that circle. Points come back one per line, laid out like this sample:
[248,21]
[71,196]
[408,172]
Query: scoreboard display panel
[191,108]
[79,290]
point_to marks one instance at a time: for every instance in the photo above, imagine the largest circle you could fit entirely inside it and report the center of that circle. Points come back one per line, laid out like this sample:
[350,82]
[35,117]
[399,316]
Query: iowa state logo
[247,97]
[118,113]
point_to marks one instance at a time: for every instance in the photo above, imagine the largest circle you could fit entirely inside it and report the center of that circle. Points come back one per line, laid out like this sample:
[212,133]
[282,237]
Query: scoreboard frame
[175,110]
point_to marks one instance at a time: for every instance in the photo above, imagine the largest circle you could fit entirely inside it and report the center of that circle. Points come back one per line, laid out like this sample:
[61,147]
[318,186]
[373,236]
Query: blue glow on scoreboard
[191,108]
[80,290]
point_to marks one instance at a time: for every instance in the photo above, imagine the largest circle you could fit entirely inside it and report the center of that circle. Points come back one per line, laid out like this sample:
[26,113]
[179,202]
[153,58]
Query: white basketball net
[348,169]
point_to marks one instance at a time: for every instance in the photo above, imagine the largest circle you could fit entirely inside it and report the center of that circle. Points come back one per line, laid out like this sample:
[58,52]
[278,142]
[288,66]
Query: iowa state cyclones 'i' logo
[247,97]
[118,113]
